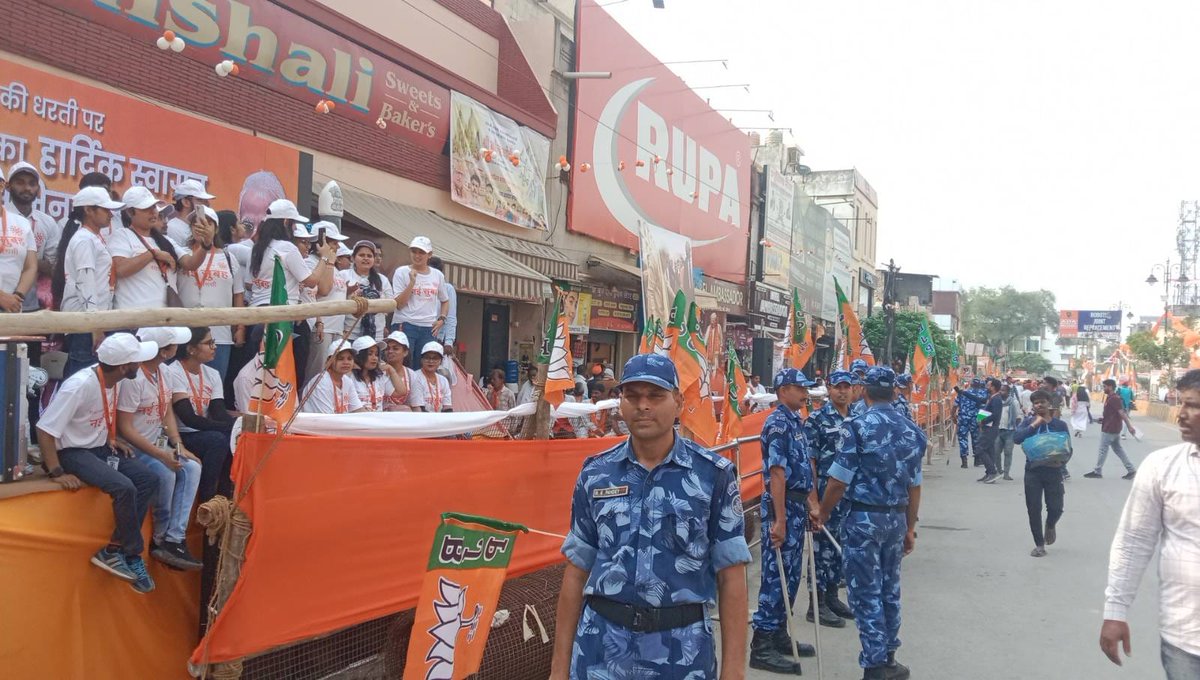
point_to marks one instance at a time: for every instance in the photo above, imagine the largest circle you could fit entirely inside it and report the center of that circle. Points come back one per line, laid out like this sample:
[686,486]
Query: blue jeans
[78,347]
[1179,664]
[220,362]
[417,337]
[1113,440]
[173,502]
[131,485]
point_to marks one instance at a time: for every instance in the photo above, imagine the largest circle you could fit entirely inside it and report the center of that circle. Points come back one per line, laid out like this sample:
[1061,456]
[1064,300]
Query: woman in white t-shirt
[275,236]
[198,400]
[332,391]
[374,380]
[83,275]
[396,354]
[422,302]
[431,390]
[325,329]
[371,285]
[144,260]
[216,281]
[145,420]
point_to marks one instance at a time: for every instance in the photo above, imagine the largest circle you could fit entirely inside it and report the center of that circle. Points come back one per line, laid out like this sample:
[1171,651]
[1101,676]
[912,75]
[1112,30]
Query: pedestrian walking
[1111,420]
[643,609]
[967,404]
[1162,505]
[788,498]
[878,470]
[1081,410]
[989,432]
[823,430]
[1012,415]
[1043,477]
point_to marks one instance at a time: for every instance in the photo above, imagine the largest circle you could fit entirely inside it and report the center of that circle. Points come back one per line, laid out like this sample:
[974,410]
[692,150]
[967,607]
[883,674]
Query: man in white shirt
[189,195]
[755,387]
[18,260]
[78,440]
[1163,505]
[24,187]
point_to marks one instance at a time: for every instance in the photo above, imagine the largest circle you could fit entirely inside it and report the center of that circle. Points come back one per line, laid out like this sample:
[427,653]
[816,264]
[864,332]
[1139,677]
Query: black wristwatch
[55,472]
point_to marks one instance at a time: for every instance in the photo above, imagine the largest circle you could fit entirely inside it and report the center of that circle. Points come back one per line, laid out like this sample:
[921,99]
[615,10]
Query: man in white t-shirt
[77,437]
[334,387]
[422,302]
[189,195]
[18,260]
[146,420]
[431,391]
[24,188]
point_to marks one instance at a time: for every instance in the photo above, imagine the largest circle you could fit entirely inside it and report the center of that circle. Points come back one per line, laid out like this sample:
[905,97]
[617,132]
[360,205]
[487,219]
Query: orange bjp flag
[467,566]
[695,380]
[922,363]
[273,392]
[800,346]
[731,415]
[856,341]
[556,354]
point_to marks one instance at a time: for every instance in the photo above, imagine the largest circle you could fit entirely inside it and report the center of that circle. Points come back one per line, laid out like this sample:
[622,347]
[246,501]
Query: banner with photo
[666,268]
[497,167]
[67,129]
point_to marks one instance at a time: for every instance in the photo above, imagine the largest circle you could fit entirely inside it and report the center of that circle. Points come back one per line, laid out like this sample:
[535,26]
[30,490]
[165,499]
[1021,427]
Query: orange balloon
[169,35]
[233,69]
[330,104]
[562,160]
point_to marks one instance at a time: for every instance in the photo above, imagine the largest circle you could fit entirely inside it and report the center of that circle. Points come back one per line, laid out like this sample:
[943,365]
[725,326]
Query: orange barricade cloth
[61,617]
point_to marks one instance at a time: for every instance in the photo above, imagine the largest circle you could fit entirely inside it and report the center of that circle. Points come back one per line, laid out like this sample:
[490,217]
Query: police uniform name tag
[832,430]
[610,492]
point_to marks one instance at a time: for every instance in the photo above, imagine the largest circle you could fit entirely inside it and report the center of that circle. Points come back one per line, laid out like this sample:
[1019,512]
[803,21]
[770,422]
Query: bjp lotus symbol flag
[798,346]
[556,354]
[675,327]
[731,415]
[466,570]
[695,381]
[856,341]
[273,393]
[922,362]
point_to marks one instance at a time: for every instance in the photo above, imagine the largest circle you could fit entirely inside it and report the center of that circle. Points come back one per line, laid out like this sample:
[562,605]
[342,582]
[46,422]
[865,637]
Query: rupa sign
[655,153]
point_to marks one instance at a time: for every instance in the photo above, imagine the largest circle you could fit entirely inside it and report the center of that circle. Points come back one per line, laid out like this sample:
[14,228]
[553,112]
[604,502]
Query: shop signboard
[768,308]
[731,298]
[614,310]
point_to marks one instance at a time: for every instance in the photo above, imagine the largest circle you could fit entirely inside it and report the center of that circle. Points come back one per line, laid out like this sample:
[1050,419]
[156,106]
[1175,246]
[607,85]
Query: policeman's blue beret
[880,376]
[791,376]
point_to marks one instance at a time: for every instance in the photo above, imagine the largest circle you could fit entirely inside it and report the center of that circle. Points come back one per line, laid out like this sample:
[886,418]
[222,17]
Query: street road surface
[976,606]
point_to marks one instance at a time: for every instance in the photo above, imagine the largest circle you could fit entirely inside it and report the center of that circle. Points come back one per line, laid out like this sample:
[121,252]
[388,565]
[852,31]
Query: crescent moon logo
[613,190]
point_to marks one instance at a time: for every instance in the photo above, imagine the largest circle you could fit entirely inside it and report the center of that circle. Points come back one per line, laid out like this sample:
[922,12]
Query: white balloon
[163,44]
[222,69]
[177,44]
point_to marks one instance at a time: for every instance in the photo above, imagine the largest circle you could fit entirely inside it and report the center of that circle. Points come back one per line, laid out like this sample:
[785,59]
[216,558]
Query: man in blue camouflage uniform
[903,391]
[968,402]
[878,470]
[858,368]
[823,431]
[787,494]
[656,533]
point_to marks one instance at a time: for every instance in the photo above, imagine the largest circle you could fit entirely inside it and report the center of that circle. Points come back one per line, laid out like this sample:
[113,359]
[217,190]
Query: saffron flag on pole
[273,393]
[695,380]
[856,341]
[731,414]
[798,344]
[556,354]
[467,566]
[922,363]
[675,326]
[647,342]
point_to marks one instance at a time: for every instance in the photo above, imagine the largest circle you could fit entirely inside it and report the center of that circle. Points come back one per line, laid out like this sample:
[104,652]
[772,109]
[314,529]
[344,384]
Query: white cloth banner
[416,425]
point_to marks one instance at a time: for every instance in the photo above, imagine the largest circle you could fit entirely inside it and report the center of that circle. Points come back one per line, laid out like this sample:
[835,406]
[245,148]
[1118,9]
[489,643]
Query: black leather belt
[797,495]
[855,506]
[646,619]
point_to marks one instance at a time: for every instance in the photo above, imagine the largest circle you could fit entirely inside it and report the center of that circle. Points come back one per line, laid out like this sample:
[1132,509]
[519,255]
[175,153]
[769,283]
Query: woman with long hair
[275,239]
[217,281]
[374,380]
[332,390]
[325,329]
[198,400]
[145,261]
[396,354]
[83,278]
[364,273]
[1081,410]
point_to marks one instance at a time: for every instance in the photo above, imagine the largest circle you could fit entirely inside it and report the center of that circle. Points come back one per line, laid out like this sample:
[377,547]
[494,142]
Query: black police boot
[765,656]
[875,673]
[783,643]
[828,618]
[896,670]
[837,606]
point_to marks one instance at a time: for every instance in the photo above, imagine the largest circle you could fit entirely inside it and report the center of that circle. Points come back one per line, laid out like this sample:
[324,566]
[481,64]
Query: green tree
[1034,364]
[998,317]
[1146,347]
[908,325]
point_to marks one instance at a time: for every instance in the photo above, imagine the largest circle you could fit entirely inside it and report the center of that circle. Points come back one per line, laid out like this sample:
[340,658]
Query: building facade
[848,196]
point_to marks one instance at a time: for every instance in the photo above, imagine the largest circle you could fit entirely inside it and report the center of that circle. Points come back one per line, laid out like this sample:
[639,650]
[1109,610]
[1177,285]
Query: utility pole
[889,307]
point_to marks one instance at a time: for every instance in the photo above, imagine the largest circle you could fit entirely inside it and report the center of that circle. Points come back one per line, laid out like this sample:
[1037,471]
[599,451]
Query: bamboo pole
[45,323]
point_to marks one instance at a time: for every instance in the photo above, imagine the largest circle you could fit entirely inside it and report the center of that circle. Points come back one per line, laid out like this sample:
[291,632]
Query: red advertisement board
[286,52]
[656,153]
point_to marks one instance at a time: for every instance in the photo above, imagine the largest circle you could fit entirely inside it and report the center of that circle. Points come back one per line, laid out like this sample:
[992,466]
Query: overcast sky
[1042,145]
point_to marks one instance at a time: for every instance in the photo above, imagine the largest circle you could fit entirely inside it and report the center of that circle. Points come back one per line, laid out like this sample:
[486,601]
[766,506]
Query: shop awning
[537,256]
[472,264]
[604,269]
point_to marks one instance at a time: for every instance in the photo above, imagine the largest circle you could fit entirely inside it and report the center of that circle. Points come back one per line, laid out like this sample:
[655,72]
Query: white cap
[282,208]
[22,166]
[433,346]
[193,188]
[330,201]
[398,337]
[140,197]
[331,230]
[423,243]
[343,251]
[161,336]
[339,346]
[95,196]
[211,214]
[365,342]
[180,335]
[119,349]
[300,230]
